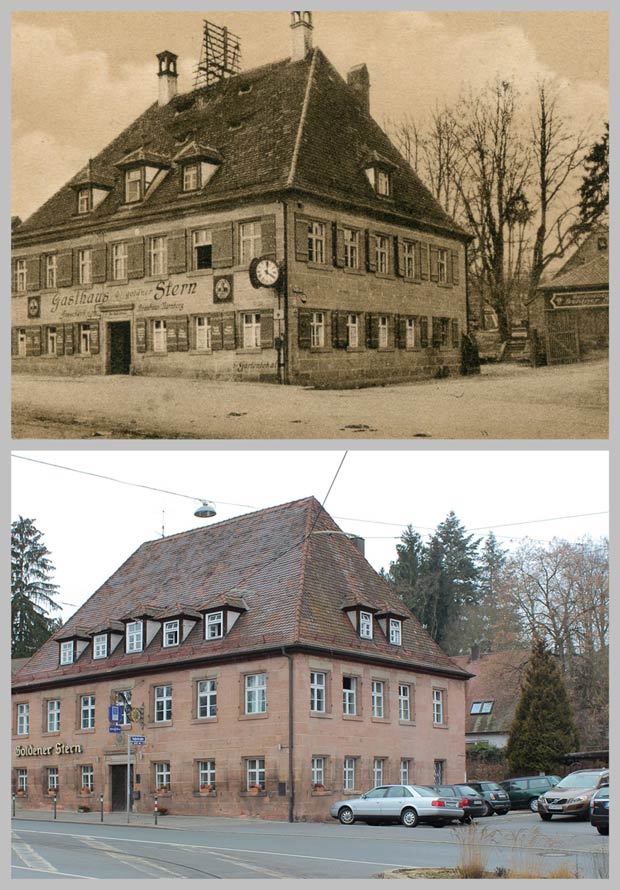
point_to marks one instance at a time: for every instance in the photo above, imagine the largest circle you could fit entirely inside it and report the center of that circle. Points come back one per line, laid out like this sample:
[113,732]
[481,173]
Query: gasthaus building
[146,262]
[268,667]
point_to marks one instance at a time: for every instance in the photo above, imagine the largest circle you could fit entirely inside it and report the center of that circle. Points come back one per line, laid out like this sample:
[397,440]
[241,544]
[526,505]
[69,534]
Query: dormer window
[171,633]
[100,646]
[214,626]
[191,177]
[133,636]
[84,200]
[383,183]
[395,631]
[66,652]
[133,185]
[366,625]
[481,707]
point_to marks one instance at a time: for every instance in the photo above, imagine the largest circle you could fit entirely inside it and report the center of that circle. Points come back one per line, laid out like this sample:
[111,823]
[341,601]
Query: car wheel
[409,818]
[533,804]
[466,820]
[602,829]
[488,809]
[345,814]
[546,817]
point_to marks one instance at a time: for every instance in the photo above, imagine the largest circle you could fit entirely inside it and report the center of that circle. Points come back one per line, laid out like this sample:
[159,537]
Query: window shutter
[402,332]
[418,260]
[76,266]
[192,332]
[303,330]
[392,257]
[94,337]
[69,342]
[371,252]
[436,333]
[64,269]
[434,264]
[217,335]
[399,255]
[13,341]
[76,338]
[60,339]
[392,321]
[268,236]
[448,267]
[339,330]
[135,258]
[99,269]
[36,340]
[140,335]
[182,337]
[455,333]
[266,330]
[372,331]
[177,253]
[149,335]
[338,237]
[222,237]
[228,330]
[423,261]
[301,239]
[171,335]
[424,332]
[33,273]
[455,267]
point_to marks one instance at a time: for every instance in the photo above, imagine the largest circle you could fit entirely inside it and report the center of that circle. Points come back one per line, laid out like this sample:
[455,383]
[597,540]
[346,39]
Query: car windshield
[424,792]
[579,780]
[603,794]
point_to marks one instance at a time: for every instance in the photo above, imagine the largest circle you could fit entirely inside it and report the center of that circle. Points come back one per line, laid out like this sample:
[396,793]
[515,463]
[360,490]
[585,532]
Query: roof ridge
[302,571]
[302,118]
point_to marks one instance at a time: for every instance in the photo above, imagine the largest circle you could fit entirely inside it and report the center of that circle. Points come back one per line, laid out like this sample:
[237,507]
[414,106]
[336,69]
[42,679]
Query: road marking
[30,857]
[223,857]
[59,874]
[142,865]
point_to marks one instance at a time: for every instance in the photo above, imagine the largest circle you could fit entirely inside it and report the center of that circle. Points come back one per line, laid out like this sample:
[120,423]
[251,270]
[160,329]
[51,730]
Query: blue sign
[137,739]
[114,728]
[115,713]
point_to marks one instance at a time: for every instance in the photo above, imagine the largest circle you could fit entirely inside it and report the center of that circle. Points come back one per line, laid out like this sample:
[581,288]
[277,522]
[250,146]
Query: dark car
[525,791]
[471,801]
[572,796]
[496,800]
[599,810]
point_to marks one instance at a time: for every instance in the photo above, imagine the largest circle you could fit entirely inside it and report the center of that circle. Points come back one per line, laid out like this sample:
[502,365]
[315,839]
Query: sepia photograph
[310,225]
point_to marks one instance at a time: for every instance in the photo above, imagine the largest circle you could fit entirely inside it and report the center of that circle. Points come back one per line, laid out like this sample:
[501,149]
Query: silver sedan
[408,804]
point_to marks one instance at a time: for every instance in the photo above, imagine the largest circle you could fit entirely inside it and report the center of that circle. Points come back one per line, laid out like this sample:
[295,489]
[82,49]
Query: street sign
[114,728]
[115,712]
[137,739]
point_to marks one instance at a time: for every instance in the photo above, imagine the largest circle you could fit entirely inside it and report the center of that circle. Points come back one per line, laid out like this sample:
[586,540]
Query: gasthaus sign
[40,751]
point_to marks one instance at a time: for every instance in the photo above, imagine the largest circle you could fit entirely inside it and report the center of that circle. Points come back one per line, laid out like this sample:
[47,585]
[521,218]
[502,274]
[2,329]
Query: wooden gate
[562,346]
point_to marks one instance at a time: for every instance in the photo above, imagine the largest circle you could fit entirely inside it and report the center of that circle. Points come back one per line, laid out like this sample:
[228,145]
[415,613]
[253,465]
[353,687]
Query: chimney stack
[475,652]
[359,543]
[301,26]
[167,75]
[359,81]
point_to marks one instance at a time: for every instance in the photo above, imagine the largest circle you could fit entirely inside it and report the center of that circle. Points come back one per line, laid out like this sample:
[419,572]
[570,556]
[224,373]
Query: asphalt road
[274,850]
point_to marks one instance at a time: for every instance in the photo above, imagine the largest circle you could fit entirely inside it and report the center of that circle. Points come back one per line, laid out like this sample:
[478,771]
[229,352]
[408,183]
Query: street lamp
[205,511]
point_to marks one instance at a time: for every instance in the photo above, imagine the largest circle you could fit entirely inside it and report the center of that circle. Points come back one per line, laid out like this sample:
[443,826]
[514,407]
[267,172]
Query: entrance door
[119,338]
[119,786]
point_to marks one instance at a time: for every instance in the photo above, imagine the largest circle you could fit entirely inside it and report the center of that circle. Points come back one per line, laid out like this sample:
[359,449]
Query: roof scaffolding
[220,55]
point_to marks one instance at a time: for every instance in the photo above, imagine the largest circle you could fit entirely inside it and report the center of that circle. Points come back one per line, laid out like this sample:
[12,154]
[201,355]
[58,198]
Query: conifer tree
[32,591]
[543,729]
[405,572]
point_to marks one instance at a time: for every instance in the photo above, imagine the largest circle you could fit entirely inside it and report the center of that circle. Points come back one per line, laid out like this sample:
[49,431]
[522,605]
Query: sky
[78,78]
[92,525]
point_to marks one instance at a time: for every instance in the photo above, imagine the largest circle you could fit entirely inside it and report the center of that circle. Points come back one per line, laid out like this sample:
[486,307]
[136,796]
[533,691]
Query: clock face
[267,272]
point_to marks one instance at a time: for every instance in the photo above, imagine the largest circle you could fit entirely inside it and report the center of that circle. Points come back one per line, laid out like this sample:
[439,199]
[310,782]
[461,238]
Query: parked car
[525,791]
[496,800]
[408,804]
[572,796]
[599,810]
[472,803]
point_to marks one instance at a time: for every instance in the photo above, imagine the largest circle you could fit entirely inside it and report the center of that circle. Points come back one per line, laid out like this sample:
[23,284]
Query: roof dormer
[144,171]
[221,614]
[198,164]
[361,616]
[105,637]
[71,645]
[141,625]
[91,187]
[379,170]
[177,622]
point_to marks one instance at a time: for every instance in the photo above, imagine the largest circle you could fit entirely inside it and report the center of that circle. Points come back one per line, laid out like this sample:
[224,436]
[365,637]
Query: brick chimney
[301,26]
[359,542]
[475,652]
[167,75]
[359,81]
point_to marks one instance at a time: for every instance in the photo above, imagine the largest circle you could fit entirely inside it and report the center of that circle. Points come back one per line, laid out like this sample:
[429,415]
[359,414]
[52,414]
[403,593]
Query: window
[404,702]
[251,330]
[256,694]
[316,242]
[405,771]
[50,270]
[85,339]
[21,341]
[382,252]
[410,333]
[163,704]
[84,202]
[22,780]
[206,774]
[442,265]
[160,335]
[207,698]
[133,636]
[20,276]
[87,778]
[171,633]
[255,773]
[52,341]
[318,771]
[85,265]
[317,330]
[437,705]
[191,177]
[317,691]
[349,696]
[87,712]
[123,698]
[119,261]
[351,249]
[214,628]
[202,249]
[203,332]
[52,778]
[377,771]
[53,715]
[162,776]
[409,259]
[66,652]
[157,255]
[481,707]
[352,333]
[250,242]
[383,183]
[100,646]
[22,719]
[349,770]
[383,331]
[366,625]
[438,772]
[378,697]
[395,631]
[133,185]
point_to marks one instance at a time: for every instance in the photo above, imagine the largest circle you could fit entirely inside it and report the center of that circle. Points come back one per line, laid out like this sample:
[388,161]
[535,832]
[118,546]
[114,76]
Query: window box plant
[206,788]
[318,786]
[255,789]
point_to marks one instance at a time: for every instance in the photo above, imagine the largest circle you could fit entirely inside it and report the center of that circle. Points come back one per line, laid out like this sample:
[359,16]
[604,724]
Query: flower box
[206,789]
[255,789]
[318,787]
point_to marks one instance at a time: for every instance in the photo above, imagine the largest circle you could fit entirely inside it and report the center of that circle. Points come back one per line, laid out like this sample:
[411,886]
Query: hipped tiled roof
[293,583]
[587,275]
[293,126]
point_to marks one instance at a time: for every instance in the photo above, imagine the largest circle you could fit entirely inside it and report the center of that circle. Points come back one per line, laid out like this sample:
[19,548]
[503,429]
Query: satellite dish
[206,510]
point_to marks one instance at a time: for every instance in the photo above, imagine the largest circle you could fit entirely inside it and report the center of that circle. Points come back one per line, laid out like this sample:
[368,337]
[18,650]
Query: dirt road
[503,402]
